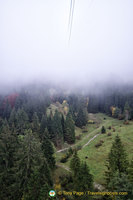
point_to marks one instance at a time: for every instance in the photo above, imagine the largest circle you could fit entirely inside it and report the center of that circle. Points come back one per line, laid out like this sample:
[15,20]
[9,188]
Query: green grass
[97,156]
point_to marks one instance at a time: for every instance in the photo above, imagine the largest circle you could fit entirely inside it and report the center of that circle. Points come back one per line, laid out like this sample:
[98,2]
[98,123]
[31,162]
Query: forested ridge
[30,131]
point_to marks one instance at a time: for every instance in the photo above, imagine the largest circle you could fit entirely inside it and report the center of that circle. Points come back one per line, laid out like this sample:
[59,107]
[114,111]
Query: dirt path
[98,129]
[61,150]
[64,167]
[91,139]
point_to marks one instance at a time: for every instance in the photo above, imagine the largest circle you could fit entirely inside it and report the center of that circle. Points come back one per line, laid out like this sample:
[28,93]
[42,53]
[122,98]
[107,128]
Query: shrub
[103,130]
[85,130]
[126,122]
[79,147]
[64,159]
[78,137]
[113,129]
[109,134]
[98,144]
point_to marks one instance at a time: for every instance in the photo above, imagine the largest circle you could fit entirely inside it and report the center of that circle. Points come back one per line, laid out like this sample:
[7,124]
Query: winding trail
[64,167]
[91,139]
[61,150]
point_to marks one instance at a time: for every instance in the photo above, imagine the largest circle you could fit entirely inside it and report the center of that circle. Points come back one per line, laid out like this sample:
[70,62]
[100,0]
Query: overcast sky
[34,41]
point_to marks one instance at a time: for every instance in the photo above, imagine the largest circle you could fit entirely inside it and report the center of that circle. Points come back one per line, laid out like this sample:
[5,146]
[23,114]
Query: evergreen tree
[75,164]
[63,123]
[117,160]
[103,130]
[69,129]
[130,172]
[7,110]
[117,112]
[127,111]
[43,124]
[39,183]
[5,126]
[12,119]
[82,118]
[50,126]
[82,179]
[57,129]
[35,122]
[87,179]
[22,121]
[29,159]
[8,179]
[121,183]
[48,150]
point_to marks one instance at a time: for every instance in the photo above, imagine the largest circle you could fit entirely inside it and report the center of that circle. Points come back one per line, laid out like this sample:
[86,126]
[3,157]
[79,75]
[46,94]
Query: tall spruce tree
[57,129]
[29,159]
[75,164]
[87,178]
[8,178]
[12,118]
[127,110]
[82,118]
[22,121]
[69,129]
[48,150]
[35,123]
[130,171]
[117,161]
[121,183]
[82,179]
[43,124]
[39,183]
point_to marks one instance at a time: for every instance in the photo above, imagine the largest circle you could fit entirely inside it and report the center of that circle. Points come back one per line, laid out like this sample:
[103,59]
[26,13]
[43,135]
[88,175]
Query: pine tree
[48,150]
[35,122]
[117,160]
[39,181]
[87,179]
[103,130]
[7,110]
[50,126]
[43,124]
[117,112]
[12,119]
[82,179]
[5,126]
[127,111]
[29,158]
[69,129]
[62,123]
[120,182]
[22,121]
[57,129]
[8,178]
[130,171]
[82,118]
[75,164]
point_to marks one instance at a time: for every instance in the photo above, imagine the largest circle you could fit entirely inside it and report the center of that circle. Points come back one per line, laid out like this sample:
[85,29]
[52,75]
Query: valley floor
[96,157]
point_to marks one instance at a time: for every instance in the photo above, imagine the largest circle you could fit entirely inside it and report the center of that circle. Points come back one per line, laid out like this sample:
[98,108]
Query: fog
[34,42]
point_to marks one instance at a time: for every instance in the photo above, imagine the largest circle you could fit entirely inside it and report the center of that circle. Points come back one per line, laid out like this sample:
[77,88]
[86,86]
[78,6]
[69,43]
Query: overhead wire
[71,14]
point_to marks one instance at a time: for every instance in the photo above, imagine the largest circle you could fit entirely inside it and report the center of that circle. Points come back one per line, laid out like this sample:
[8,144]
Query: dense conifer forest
[31,131]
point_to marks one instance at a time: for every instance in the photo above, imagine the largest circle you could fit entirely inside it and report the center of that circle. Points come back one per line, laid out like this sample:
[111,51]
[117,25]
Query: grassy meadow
[96,156]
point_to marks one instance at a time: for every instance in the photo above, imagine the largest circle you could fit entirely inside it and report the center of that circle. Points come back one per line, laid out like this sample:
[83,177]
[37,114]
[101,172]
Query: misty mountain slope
[96,157]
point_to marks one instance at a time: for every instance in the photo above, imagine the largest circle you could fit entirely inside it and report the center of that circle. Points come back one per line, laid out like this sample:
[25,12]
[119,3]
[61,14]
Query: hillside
[96,157]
